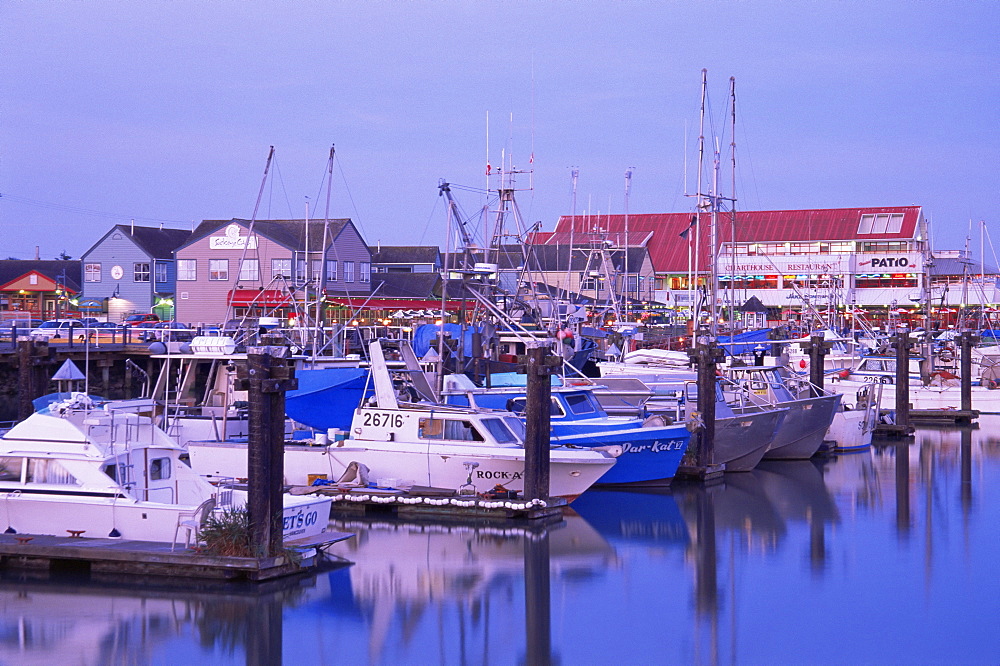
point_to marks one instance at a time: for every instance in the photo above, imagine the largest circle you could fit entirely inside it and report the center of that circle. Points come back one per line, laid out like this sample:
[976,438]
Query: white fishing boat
[854,421]
[404,444]
[108,470]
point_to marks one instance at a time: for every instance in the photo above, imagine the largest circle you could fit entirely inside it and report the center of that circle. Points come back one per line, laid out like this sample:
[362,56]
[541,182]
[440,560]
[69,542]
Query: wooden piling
[266,376]
[538,365]
[705,356]
[901,342]
[818,347]
[966,341]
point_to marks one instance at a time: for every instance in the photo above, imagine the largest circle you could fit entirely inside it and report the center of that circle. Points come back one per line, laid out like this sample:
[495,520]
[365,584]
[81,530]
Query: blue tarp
[327,397]
[732,343]
[426,335]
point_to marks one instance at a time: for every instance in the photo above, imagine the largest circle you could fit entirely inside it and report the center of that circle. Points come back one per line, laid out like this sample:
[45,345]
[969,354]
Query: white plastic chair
[192,521]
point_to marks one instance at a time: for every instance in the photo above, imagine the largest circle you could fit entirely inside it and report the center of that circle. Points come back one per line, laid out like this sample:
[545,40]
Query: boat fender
[803,363]
[844,374]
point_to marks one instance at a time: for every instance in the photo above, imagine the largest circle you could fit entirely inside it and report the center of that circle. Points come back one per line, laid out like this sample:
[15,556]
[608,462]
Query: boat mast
[625,245]
[700,204]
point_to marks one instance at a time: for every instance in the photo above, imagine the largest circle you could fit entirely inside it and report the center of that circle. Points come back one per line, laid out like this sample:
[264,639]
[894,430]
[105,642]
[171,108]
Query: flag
[694,221]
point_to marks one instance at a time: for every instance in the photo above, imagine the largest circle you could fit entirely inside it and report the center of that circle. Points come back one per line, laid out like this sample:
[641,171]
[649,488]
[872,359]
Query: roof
[157,243]
[552,258]
[960,266]
[290,233]
[669,251]
[12,269]
[593,238]
[405,254]
[405,285]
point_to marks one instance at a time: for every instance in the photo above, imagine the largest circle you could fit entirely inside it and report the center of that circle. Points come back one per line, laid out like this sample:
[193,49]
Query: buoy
[802,363]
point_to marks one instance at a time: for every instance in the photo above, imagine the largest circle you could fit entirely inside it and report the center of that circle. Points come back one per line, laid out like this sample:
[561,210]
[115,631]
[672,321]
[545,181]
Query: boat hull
[146,521]
[804,428]
[650,456]
[404,464]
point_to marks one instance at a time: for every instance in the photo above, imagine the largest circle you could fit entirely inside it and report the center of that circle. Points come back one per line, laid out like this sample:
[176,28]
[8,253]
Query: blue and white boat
[651,448]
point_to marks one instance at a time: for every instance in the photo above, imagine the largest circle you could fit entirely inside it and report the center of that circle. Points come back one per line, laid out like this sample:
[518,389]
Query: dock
[439,503]
[151,558]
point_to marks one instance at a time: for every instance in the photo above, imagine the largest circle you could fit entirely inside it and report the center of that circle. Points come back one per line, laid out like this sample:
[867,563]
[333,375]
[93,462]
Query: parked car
[102,331]
[135,319]
[11,327]
[56,329]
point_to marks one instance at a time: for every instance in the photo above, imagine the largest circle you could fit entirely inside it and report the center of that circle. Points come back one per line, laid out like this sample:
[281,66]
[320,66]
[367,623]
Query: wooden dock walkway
[104,555]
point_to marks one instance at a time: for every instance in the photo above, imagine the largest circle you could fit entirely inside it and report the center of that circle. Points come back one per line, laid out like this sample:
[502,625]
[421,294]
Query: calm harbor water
[883,556]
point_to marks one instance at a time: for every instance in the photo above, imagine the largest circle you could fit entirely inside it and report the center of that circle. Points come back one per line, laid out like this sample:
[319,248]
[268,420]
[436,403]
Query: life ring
[946,356]
[991,384]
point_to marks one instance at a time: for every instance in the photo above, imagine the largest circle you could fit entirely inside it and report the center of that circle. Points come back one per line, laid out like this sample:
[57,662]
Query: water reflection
[408,577]
[757,569]
[68,619]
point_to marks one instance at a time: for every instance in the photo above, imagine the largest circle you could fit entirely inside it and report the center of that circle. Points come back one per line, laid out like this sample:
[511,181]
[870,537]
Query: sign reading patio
[232,240]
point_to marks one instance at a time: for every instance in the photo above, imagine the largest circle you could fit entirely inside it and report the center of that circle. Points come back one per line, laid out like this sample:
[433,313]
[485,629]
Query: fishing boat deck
[107,555]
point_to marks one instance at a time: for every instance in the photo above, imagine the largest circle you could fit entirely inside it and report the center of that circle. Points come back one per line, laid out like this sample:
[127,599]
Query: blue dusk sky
[163,112]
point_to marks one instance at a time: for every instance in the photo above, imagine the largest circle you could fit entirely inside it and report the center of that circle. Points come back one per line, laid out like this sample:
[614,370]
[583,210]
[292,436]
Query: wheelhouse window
[519,406]
[581,403]
[91,272]
[159,469]
[499,431]
[450,429]
[140,271]
[44,470]
[218,269]
[10,469]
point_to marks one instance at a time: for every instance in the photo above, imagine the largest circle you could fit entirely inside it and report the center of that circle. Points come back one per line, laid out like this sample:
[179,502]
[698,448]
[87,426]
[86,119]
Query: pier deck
[104,555]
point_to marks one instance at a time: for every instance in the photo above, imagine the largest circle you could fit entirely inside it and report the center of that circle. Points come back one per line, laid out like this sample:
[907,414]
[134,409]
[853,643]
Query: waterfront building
[38,289]
[867,261]
[131,270]
[235,268]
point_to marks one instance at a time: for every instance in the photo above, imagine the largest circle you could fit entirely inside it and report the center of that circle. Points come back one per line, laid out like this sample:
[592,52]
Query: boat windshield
[516,425]
[581,403]
[500,432]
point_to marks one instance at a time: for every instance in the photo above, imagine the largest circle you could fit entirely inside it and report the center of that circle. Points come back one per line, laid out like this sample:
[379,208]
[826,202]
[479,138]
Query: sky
[164,112]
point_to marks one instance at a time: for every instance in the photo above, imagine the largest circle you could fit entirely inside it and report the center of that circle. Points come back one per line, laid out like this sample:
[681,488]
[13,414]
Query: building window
[161,271]
[250,270]
[366,271]
[331,270]
[881,223]
[218,269]
[91,272]
[316,269]
[140,272]
[348,271]
[187,270]
[300,270]
[281,268]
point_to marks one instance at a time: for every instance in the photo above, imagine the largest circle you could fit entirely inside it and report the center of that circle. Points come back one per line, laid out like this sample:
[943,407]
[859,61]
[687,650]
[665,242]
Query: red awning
[258,298]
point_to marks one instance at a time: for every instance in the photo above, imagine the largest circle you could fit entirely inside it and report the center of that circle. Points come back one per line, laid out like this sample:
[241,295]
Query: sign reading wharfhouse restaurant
[904,262]
[232,240]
